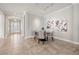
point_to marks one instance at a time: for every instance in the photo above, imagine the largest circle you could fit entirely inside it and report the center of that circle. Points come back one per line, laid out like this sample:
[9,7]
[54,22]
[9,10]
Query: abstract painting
[59,25]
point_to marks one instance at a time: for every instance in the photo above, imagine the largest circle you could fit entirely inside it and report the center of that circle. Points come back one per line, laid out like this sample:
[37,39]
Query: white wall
[26,25]
[1,25]
[1,28]
[76,22]
[35,23]
[62,14]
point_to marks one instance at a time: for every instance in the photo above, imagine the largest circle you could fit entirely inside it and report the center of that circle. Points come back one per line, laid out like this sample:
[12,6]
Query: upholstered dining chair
[41,37]
[50,35]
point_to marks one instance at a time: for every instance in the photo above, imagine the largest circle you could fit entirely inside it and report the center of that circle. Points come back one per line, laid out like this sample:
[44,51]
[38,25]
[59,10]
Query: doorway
[15,26]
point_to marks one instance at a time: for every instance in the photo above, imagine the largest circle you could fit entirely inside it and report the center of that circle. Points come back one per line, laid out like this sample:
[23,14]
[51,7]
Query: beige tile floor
[15,44]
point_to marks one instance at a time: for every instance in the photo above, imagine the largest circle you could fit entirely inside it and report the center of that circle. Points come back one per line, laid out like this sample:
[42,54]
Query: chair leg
[52,38]
[38,41]
[47,38]
[43,42]
[34,38]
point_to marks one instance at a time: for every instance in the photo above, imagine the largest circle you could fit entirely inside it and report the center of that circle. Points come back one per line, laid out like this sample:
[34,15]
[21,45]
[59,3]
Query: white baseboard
[58,39]
[67,40]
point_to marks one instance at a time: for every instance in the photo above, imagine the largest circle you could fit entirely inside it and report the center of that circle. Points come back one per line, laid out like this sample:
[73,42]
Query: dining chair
[41,37]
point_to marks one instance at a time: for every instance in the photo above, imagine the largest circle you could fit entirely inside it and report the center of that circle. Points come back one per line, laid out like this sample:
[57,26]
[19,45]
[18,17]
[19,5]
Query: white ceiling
[35,8]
